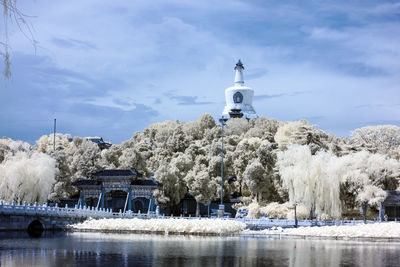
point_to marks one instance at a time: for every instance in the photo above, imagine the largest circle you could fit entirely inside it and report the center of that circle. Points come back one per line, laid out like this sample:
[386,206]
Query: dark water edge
[111,249]
[255,234]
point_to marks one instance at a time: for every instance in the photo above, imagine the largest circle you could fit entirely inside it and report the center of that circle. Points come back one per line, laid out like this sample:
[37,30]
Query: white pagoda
[239,98]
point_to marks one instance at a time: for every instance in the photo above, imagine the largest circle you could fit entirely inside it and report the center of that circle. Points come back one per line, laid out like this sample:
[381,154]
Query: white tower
[239,98]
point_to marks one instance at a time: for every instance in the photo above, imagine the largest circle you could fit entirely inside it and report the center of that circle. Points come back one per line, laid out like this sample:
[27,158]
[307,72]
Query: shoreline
[316,237]
[245,234]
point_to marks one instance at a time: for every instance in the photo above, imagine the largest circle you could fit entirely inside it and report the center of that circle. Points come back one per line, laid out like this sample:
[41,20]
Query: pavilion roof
[392,198]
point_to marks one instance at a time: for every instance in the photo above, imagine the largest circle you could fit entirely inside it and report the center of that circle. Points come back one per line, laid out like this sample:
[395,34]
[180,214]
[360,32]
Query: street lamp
[221,208]
[295,215]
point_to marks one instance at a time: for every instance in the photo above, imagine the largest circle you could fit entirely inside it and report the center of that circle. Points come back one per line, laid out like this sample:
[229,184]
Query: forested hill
[284,162]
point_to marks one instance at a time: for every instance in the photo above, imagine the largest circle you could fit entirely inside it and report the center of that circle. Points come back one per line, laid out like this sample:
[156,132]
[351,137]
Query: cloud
[312,118]
[382,122]
[262,97]
[255,73]
[123,102]
[98,61]
[73,43]
[266,96]
[189,100]
[377,106]
[40,91]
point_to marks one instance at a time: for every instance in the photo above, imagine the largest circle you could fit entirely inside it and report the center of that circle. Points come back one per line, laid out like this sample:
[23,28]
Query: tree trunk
[295,216]
[197,209]
[364,210]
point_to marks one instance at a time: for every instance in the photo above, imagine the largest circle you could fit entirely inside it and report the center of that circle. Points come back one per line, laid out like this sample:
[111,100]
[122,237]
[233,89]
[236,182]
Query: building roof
[147,182]
[392,198]
[116,173]
[83,181]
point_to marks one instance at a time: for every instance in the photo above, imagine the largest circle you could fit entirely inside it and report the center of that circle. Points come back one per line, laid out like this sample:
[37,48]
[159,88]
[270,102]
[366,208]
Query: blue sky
[111,68]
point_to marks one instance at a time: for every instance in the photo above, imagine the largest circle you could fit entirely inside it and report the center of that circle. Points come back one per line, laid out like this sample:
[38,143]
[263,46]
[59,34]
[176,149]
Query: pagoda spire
[239,73]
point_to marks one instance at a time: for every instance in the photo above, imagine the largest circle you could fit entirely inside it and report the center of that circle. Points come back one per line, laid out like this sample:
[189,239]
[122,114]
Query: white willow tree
[12,16]
[27,176]
[309,181]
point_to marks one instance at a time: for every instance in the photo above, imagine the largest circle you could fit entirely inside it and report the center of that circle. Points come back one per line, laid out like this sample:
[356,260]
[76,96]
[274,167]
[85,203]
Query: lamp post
[221,208]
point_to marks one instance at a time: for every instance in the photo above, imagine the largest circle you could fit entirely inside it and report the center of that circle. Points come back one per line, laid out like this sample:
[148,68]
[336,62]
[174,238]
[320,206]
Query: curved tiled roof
[116,173]
[83,181]
[148,182]
[392,198]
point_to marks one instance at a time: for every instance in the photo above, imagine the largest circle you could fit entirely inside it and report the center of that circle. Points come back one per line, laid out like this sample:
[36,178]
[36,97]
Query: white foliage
[302,213]
[372,195]
[184,226]
[27,177]
[311,180]
[383,230]
[237,126]
[255,178]
[202,187]
[45,143]
[285,211]
[276,210]
[254,210]
[384,139]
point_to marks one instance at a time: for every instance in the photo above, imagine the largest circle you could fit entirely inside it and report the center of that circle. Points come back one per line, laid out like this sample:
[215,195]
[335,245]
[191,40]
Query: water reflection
[18,249]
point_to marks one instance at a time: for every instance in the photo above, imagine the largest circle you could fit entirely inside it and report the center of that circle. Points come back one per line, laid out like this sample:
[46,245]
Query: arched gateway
[119,190]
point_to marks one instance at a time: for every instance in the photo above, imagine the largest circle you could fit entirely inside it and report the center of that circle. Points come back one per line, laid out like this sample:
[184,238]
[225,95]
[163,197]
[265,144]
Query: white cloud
[344,55]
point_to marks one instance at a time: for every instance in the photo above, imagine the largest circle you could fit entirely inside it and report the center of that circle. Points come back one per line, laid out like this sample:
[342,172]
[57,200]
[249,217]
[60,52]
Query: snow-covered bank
[376,230]
[182,226]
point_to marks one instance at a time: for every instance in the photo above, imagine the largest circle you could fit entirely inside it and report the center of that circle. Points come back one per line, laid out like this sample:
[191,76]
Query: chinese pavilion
[120,190]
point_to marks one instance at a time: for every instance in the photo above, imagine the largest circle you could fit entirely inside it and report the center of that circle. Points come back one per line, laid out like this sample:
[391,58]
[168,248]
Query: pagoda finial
[239,64]
[239,73]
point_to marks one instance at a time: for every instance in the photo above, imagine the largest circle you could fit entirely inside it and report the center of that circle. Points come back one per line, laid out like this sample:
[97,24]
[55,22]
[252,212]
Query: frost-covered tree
[383,139]
[263,128]
[85,157]
[256,179]
[27,176]
[132,158]
[301,133]
[237,126]
[363,169]
[46,143]
[201,186]
[242,156]
[172,175]
[308,179]
[370,195]
[110,157]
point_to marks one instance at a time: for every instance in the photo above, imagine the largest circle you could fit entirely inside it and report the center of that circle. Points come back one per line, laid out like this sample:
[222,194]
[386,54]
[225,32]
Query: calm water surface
[91,249]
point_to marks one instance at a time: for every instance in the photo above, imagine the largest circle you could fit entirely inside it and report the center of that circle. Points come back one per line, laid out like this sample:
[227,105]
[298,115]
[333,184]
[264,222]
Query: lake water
[90,249]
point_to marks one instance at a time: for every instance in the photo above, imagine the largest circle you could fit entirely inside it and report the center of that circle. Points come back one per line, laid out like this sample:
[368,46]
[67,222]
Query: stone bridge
[36,218]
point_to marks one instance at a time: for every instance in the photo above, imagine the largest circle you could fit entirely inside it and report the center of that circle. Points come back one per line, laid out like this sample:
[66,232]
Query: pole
[222,164]
[54,135]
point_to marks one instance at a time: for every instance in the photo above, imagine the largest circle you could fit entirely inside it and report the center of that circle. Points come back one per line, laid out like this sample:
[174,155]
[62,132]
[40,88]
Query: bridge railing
[92,212]
[45,210]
